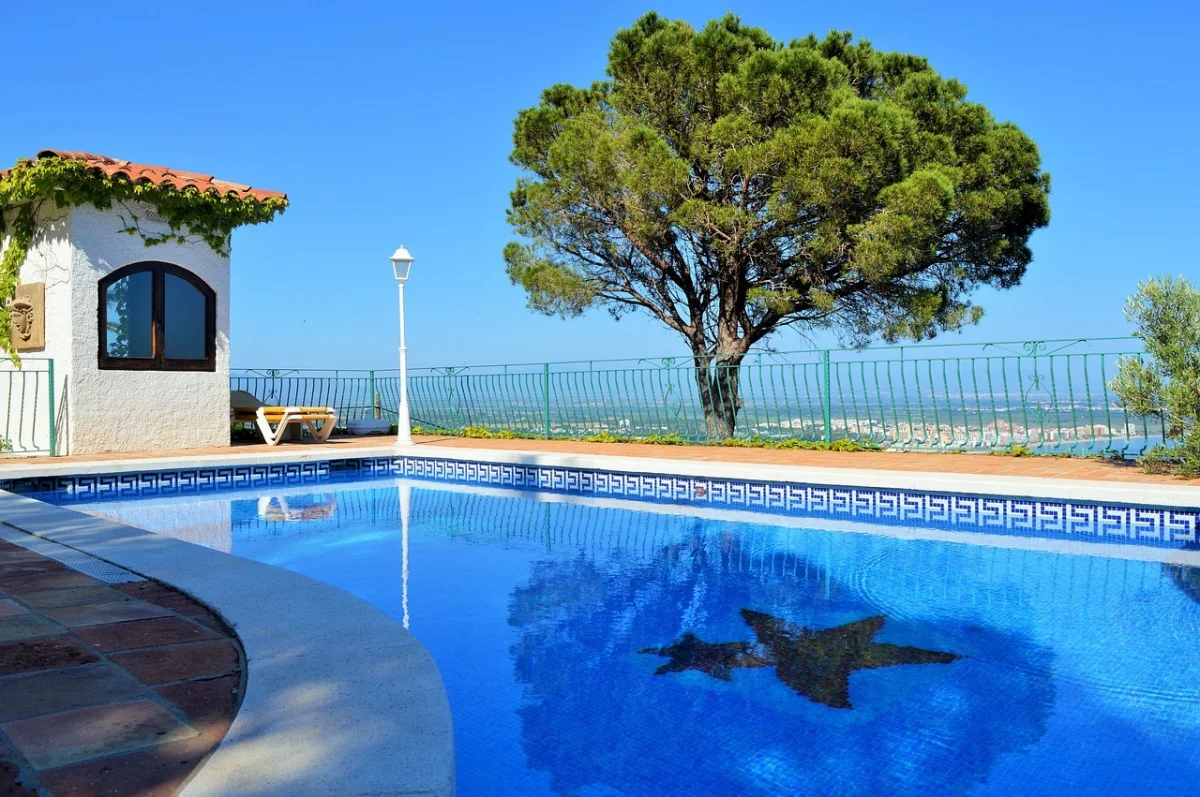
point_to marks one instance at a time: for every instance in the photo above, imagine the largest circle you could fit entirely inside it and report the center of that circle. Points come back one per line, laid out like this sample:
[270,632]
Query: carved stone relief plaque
[28,312]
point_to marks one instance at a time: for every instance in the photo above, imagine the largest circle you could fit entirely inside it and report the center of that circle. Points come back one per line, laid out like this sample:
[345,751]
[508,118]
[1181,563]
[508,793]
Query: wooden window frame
[158,361]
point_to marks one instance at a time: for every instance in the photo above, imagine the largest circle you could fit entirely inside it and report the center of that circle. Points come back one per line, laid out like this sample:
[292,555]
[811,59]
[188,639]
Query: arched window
[157,317]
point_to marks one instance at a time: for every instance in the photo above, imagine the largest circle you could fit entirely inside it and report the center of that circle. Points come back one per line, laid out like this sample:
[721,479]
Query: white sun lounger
[273,422]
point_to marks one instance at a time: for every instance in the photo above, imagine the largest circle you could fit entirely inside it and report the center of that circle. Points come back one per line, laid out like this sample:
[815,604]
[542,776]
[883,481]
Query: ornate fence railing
[354,394]
[28,424]
[1050,396]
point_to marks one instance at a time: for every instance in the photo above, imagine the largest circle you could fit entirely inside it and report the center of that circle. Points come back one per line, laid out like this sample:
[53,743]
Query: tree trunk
[718,379]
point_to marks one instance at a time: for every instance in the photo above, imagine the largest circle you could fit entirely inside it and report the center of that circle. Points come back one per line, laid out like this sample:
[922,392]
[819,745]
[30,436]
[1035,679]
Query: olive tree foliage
[733,186]
[1165,383]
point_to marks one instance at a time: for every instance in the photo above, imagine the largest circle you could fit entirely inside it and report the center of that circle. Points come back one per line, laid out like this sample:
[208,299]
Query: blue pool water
[929,666]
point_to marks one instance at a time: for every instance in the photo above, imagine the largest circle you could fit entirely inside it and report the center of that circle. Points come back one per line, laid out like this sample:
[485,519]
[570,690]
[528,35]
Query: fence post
[826,400]
[374,397]
[546,398]
[50,398]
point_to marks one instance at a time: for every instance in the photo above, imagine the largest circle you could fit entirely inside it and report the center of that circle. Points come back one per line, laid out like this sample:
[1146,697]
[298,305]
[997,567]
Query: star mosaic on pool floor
[816,664]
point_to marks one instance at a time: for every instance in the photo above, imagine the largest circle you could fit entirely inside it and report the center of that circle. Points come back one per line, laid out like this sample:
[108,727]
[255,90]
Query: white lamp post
[401,263]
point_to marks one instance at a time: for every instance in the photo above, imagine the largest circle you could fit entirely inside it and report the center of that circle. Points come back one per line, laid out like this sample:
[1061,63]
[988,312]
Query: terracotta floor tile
[51,691]
[210,621]
[180,604]
[43,654]
[35,583]
[27,626]
[89,726]
[28,567]
[155,666]
[157,772]
[209,705]
[17,554]
[144,634]
[69,737]
[73,596]
[101,613]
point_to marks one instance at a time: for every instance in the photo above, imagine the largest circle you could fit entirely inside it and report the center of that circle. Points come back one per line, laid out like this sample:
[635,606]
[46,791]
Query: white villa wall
[49,261]
[113,410]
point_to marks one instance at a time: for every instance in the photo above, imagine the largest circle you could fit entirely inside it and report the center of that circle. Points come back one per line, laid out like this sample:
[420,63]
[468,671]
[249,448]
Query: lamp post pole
[403,422]
[401,263]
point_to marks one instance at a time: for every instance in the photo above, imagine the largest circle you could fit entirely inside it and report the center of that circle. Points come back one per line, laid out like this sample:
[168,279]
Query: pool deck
[901,461]
[1050,478]
[1074,468]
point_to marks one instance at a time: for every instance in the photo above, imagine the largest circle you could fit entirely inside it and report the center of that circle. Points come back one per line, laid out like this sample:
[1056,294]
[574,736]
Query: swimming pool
[602,647]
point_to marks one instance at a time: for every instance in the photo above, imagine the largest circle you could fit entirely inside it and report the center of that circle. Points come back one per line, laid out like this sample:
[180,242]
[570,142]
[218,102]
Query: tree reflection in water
[596,715]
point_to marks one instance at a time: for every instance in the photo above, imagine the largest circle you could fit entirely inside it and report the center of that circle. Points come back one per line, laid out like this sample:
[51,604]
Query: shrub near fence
[1047,396]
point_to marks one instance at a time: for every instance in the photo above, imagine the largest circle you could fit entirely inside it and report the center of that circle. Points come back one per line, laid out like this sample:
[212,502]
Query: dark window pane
[183,319]
[130,333]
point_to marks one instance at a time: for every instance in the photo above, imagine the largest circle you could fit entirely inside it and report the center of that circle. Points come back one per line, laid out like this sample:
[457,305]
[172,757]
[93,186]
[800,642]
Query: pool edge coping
[935,482]
[310,722]
[1033,487]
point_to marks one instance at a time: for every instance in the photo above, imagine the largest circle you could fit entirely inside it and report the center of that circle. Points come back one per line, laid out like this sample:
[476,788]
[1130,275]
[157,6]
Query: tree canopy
[733,185]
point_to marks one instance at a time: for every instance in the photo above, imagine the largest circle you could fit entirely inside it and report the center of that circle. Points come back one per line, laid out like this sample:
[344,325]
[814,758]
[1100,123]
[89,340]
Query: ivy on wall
[27,188]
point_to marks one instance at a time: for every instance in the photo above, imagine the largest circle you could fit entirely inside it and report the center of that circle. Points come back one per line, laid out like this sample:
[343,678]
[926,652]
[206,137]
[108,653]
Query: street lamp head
[401,262]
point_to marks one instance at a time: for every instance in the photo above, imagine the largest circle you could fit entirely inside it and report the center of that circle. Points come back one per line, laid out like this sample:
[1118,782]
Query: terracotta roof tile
[158,175]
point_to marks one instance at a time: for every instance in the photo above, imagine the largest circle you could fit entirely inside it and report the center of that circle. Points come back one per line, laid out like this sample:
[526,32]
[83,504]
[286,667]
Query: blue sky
[391,124]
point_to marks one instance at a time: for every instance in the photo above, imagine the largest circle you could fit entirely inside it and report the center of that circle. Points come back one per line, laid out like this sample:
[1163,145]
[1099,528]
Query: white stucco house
[139,335]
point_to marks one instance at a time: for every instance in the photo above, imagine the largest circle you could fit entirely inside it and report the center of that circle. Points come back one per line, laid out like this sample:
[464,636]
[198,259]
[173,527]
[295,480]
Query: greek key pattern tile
[168,482]
[1107,523]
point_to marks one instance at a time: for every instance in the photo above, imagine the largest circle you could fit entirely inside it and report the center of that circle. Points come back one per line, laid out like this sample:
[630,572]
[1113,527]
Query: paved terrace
[1085,469]
[116,690]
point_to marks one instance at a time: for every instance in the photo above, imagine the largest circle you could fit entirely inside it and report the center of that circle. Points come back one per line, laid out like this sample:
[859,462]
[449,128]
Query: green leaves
[20,228]
[899,237]
[1165,383]
[731,184]
[1165,312]
[29,185]
[553,289]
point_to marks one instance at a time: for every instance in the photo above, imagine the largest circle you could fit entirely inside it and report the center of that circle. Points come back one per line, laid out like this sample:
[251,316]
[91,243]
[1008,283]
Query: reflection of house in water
[321,506]
[207,523]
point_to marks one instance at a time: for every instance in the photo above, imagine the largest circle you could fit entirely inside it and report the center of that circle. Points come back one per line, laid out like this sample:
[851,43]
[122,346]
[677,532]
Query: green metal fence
[28,424]
[355,394]
[1049,396]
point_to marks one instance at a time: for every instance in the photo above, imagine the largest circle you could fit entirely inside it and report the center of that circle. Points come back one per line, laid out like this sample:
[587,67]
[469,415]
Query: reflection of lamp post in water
[405,510]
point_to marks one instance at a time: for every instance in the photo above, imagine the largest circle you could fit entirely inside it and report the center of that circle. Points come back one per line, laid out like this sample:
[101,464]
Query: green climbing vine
[27,188]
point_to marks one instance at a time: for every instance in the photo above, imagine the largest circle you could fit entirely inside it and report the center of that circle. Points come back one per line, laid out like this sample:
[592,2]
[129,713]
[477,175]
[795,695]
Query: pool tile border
[169,482]
[951,510]
[1039,517]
